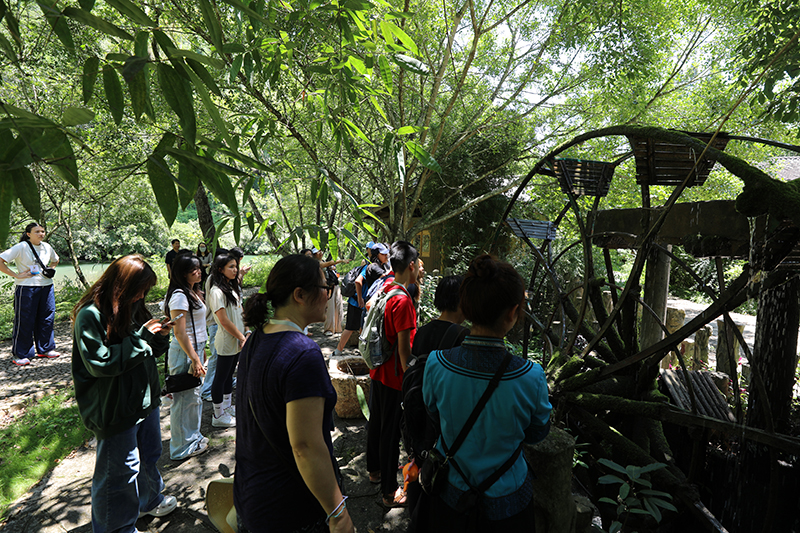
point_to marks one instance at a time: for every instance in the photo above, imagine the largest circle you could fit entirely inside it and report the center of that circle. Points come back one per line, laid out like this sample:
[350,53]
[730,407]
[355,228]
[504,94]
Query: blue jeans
[205,390]
[34,313]
[184,415]
[126,480]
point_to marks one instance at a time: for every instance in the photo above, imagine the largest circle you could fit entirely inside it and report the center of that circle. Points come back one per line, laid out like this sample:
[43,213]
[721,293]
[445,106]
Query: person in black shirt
[446,300]
[172,254]
[437,335]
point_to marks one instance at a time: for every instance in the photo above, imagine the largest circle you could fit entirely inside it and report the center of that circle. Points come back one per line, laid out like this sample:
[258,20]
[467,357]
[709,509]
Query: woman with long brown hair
[114,349]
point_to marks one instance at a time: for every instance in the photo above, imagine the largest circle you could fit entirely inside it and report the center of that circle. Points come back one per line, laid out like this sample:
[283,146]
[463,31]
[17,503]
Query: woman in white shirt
[34,296]
[225,302]
[185,299]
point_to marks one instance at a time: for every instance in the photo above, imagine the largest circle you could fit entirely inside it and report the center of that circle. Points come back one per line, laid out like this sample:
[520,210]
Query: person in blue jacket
[114,349]
[492,296]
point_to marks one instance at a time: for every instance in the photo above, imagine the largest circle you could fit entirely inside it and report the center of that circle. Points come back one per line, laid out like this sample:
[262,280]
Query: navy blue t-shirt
[269,493]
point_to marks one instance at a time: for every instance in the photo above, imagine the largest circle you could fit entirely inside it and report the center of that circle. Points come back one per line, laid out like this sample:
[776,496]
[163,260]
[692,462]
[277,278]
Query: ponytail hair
[28,229]
[289,273]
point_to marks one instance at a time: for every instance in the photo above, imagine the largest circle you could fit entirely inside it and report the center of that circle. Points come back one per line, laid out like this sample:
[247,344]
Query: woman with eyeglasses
[285,415]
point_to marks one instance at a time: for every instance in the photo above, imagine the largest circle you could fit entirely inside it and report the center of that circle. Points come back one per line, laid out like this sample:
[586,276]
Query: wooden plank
[717,219]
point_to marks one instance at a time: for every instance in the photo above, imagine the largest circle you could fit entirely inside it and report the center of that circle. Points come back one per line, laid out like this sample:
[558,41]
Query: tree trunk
[775,360]
[73,256]
[204,216]
[775,354]
[270,233]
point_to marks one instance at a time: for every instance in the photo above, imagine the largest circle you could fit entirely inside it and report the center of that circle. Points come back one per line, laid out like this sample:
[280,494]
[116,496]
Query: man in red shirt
[400,324]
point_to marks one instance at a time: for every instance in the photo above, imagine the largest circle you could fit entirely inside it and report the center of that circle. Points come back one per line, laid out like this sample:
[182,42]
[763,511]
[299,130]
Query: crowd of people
[480,403]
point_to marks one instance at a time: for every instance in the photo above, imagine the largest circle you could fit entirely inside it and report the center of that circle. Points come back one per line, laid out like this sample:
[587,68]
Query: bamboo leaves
[179,97]
[90,68]
[113,89]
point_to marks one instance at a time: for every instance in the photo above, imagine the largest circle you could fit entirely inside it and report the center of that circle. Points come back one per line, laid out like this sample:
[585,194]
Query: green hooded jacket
[116,385]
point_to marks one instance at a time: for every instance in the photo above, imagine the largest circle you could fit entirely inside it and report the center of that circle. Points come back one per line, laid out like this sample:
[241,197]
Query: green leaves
[58,23]
[630,498]
[179,97]
[90,68]
[113,89]
[391,32]
[97,23]
[75,116]
[212,24]
[131,11]
[424,157]
[411,64]
[161,180]
[6,198]
[27,191]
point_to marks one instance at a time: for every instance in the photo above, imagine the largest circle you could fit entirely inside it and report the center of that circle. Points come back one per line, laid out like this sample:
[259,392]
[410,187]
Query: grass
[36,442]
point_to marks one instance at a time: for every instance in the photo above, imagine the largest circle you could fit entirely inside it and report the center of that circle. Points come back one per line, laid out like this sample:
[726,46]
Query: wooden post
[701,347]
[656,287]
[727,348]
[551,460]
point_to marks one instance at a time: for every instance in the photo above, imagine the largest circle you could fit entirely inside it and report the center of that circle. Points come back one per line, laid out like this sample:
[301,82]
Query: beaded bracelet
[340,508]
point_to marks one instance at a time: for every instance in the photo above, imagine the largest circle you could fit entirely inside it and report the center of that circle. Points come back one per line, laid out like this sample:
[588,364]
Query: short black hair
[447,297]
[402,254]
[175,240]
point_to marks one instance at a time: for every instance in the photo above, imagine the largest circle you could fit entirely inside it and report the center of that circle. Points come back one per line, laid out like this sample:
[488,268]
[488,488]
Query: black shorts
[355,317]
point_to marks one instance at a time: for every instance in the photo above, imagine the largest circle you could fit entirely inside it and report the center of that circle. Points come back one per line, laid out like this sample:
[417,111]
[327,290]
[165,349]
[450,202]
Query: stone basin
[347,373]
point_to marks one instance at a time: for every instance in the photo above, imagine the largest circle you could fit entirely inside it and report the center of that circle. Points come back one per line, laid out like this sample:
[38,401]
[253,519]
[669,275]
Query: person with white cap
[356,304]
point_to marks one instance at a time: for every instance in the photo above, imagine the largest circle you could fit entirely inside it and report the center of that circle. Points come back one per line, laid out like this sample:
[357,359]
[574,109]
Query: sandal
[375,477]
[396,500]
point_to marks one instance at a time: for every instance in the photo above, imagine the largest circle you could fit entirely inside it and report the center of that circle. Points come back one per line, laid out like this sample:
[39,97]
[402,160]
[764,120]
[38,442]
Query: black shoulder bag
[184,381]
[433,476]
[46,271]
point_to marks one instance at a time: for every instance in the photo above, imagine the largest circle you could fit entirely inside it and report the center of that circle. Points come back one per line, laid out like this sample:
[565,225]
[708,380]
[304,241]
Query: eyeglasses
[327,288]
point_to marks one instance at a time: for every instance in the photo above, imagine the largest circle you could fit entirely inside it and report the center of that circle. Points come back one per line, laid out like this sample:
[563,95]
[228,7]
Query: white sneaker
[167,505]
[225,420]
[231,410]
[201,448]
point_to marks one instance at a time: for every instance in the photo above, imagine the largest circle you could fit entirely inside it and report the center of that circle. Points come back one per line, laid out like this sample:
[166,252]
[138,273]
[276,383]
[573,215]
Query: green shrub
[260,270]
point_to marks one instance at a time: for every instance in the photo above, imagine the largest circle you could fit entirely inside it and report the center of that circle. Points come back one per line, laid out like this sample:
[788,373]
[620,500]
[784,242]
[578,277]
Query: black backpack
[348,286]
[417,427]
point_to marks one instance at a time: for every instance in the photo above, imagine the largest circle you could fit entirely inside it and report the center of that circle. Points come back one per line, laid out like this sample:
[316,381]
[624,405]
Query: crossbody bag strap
[35,255]
[497,474]
[194,332]
[473,417]
[450,337]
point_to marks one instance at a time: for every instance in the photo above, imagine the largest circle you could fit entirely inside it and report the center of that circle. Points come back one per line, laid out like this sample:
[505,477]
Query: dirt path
[61,501]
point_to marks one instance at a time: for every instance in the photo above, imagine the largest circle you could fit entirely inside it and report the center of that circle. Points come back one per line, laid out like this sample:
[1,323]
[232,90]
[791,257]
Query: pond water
[65,272]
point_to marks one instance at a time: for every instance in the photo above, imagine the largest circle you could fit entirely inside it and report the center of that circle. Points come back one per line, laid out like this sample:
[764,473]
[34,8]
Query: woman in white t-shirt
[185,299]
[225,302]
[34,296]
